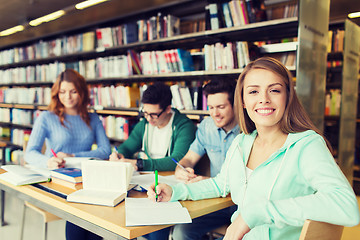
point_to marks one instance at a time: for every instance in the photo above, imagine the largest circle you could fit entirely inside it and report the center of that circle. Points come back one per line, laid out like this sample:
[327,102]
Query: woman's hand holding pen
[164,192]
[237,229]
[55,162]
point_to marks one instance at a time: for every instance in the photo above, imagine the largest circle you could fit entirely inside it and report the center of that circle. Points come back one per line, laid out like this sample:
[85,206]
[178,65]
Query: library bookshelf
[44,59]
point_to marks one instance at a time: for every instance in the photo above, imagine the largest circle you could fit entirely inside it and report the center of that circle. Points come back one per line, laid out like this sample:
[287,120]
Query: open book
[142,211]
[104,183]
[19,175]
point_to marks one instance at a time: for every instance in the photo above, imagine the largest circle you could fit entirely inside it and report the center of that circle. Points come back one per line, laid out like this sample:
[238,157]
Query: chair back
[314,230]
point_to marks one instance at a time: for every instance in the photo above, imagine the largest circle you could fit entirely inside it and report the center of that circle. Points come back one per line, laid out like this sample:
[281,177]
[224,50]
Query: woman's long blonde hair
[72,76]
[295,118]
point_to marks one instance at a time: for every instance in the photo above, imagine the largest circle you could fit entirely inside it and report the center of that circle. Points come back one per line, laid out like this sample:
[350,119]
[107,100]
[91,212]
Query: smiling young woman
[279,170]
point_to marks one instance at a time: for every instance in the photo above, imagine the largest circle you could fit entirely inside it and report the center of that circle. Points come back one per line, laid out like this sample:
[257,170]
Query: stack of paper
[142,211]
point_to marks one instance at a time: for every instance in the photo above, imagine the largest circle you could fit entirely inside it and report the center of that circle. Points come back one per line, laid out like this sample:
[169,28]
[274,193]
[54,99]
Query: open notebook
[142,211]
[19,175]
[104,183]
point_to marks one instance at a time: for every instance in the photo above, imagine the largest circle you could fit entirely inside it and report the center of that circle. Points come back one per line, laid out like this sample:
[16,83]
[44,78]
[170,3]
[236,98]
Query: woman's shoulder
[46,115]
[93,115]
[305,136]
[94,118]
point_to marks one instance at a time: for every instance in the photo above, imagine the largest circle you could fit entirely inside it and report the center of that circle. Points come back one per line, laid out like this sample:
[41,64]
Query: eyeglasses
[152,115]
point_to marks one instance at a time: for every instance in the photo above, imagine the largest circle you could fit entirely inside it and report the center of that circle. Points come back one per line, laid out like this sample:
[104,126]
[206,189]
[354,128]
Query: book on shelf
[227,14]
[251,10]
[132,96]
[160,30]
[130,32]
[173,25]
[186,98]
[212,14]
[19,175]
[104,183]
[134,62]
[88,39]
[235,13]
[177,102]
[70,174]
[196,96]
[279,47]
[221,15]
[185,60]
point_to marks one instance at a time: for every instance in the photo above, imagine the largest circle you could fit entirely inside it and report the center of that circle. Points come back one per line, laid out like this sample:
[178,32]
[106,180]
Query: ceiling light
[12,30]
[47,18]
[354,15]
[88,3]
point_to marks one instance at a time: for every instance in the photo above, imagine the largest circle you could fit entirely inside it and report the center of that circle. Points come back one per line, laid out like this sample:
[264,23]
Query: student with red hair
[70,130]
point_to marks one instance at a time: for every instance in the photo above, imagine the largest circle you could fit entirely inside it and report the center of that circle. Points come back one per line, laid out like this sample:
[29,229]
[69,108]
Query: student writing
[279,170]
[163,134]
[70,130]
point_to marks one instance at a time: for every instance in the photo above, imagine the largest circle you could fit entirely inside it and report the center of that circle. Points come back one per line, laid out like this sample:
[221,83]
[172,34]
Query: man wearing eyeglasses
[164,133]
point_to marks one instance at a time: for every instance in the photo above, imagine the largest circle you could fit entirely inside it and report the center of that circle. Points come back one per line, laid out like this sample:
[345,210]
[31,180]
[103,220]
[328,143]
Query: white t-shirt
[248,172]
[160,139]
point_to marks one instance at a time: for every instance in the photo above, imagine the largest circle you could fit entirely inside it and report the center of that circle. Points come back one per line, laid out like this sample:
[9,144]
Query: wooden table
[108,222]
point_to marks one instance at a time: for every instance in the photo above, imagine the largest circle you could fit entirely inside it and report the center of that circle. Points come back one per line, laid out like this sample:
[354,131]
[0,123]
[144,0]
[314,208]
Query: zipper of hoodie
[246,183]
[247,179]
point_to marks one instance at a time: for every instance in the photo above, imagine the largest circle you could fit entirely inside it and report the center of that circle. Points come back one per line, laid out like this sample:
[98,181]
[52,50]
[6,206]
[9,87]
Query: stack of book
[67,177]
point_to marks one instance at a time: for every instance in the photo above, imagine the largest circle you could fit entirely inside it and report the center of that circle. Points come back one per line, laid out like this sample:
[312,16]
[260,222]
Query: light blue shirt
[76,138]
[214,142]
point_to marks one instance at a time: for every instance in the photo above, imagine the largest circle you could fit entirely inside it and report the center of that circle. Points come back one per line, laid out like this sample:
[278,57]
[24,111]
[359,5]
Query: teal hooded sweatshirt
[299,181]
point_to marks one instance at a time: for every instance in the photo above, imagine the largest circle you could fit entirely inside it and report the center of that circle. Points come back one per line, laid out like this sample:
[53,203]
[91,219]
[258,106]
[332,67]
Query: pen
[181,166]
[156,183]
[115,148]
[53,152]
